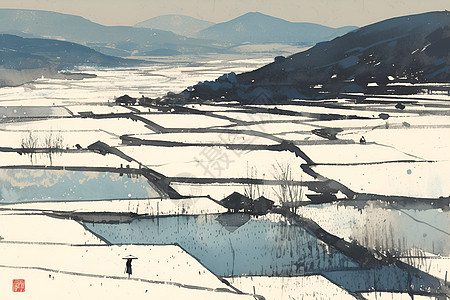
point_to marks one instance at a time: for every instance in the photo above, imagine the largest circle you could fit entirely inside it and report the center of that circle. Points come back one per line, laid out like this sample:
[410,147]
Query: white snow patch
[353,153]
[216,162]
[185,121]
[313,287]
[426,180]
[42,284]
[216,138]
[154,207]
[170,266]
[434,265]
[40,228]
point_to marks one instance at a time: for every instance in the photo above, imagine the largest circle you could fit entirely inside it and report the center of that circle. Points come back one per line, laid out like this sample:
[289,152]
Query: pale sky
[333,13]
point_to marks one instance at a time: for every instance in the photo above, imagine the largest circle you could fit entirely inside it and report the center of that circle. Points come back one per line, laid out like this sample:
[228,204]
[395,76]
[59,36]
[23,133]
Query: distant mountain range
[258,28]
[409,49]
[26,59]
[179,24]
[112,40]
[32,53]
[155,36]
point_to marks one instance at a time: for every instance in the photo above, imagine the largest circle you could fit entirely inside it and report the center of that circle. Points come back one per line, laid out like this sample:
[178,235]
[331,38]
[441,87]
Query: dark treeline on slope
[409,49]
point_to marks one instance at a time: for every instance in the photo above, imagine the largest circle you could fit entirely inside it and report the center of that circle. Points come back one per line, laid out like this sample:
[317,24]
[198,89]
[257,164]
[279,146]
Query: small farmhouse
[125,100]
[236,202]
[262,205]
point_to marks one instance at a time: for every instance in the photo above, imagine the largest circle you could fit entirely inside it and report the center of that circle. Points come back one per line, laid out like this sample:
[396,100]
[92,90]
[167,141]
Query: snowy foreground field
[85,182]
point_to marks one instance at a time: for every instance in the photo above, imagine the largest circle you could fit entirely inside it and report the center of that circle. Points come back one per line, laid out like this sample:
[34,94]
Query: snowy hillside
[409,49]
[87,271]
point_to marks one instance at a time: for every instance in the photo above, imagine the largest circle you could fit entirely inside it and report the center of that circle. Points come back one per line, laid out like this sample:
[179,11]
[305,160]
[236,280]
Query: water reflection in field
[31,185]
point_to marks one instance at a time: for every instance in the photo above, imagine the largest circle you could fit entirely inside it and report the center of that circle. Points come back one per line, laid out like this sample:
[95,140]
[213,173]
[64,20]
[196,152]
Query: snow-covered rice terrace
[85,182]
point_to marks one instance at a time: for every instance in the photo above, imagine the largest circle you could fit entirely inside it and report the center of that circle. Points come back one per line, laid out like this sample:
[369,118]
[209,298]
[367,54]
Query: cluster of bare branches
[51,143]
[288,192]
[54,142]
[252,191]
[30,141]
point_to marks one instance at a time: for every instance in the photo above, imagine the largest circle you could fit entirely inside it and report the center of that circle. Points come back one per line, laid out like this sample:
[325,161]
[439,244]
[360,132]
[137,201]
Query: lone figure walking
[128,268]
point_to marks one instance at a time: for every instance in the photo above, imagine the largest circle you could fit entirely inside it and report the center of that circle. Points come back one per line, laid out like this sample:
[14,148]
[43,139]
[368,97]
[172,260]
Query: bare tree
[52,143]
[30,141]
[288,191]
[251,190]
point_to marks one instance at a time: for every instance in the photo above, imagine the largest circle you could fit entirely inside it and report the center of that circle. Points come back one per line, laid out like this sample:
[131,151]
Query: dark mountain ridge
[26,59]
[113,40]
[179,24]
[258,28]
[409,49]
[30,53]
